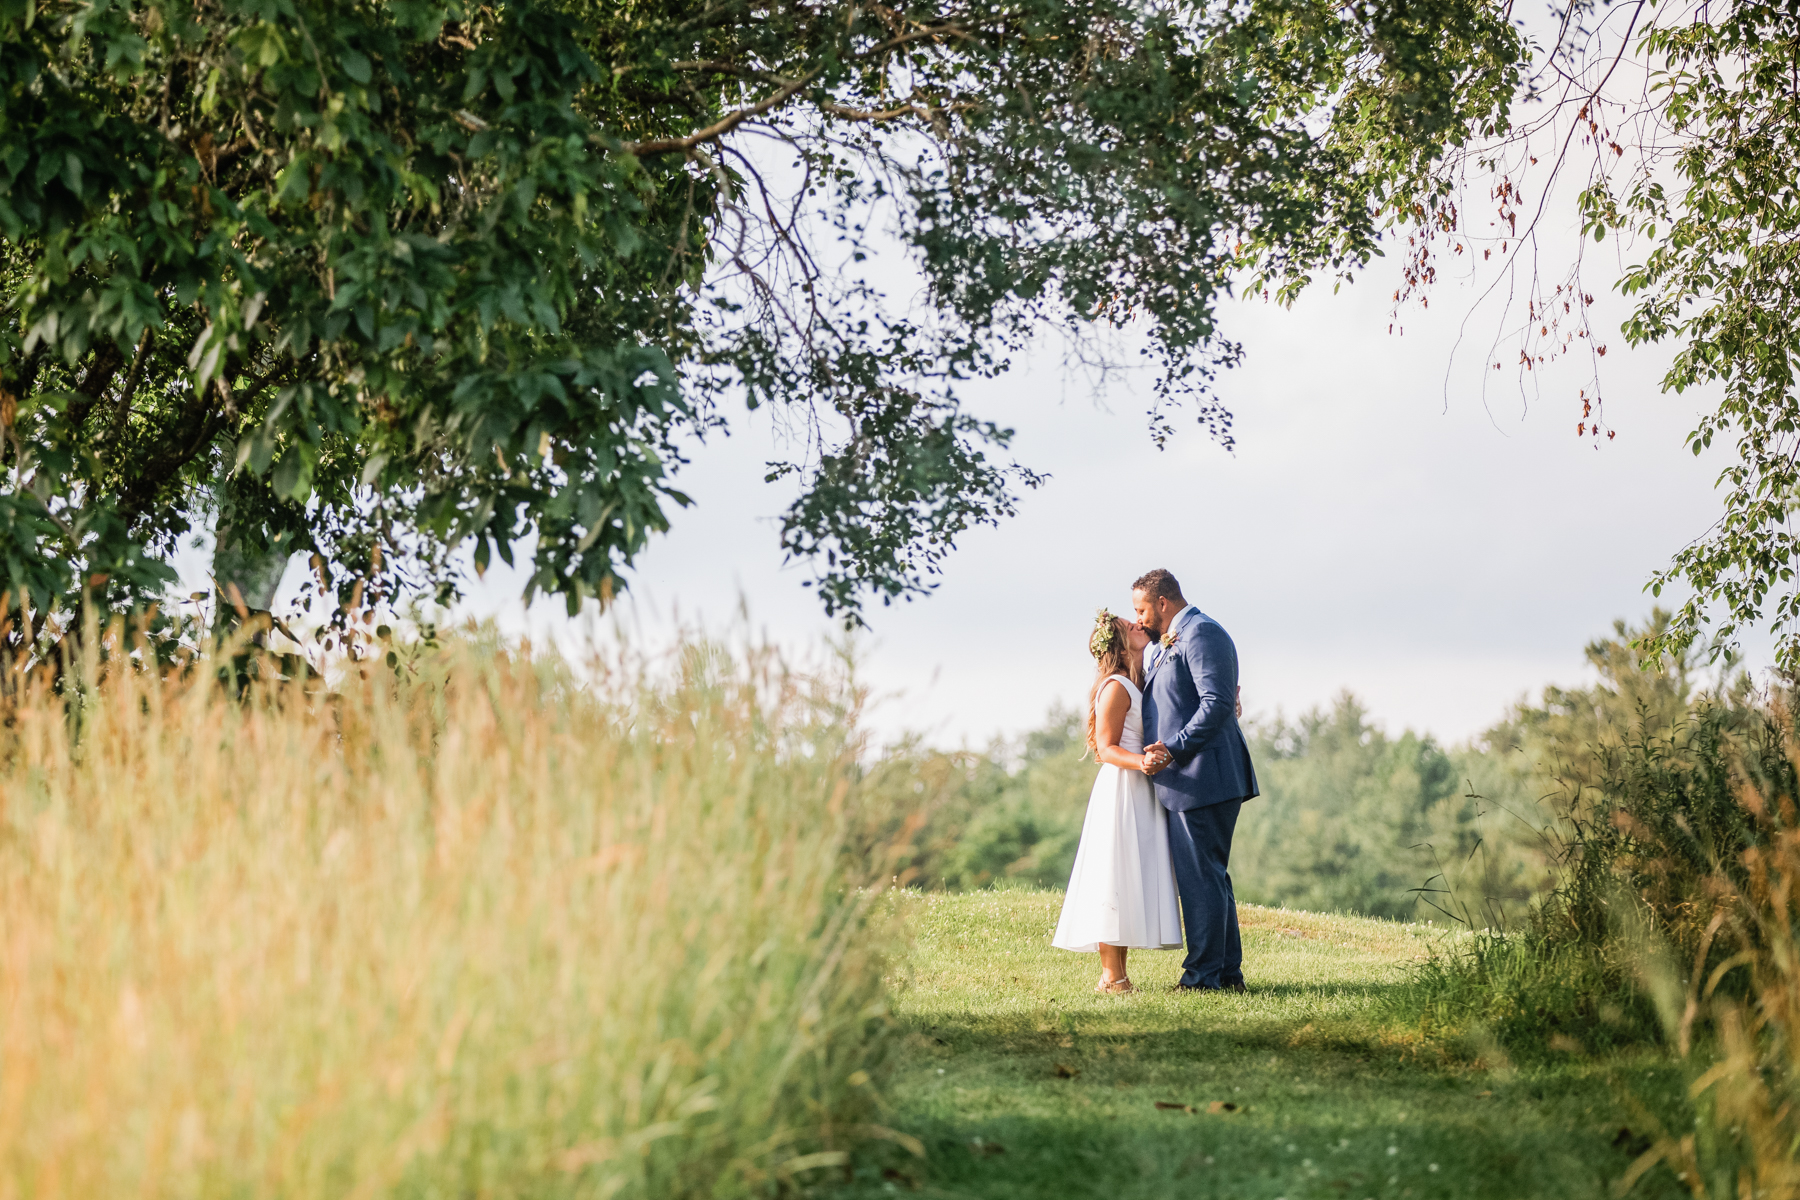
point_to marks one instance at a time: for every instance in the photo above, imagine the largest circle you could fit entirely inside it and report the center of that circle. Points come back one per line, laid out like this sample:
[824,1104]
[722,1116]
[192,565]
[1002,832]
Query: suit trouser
[1200,842]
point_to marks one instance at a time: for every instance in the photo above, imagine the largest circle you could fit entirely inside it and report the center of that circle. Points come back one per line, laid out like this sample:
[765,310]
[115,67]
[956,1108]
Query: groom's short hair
[1158,584]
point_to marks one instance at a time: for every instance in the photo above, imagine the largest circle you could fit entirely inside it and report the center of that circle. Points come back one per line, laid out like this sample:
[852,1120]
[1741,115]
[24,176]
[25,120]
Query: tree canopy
[373,281]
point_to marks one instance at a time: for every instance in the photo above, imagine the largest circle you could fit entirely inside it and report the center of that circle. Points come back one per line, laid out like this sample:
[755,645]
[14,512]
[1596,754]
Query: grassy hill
[1021,1082]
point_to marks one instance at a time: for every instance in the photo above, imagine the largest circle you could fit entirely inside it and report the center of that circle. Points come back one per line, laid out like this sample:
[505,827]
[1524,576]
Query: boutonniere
[1169,639]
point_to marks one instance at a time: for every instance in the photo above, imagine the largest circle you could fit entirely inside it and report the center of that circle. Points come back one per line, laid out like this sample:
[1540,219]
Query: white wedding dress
[1122,890]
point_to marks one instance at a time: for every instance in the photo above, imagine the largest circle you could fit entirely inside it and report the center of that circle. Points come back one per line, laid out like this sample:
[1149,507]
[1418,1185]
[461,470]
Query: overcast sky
[1437,550]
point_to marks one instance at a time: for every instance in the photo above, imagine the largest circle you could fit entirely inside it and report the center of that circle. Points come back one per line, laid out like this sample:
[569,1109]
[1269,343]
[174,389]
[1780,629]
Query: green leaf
[356,65]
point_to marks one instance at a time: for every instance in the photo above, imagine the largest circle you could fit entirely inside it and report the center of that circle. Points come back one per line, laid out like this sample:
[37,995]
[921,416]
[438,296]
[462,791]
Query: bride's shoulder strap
[1131,689]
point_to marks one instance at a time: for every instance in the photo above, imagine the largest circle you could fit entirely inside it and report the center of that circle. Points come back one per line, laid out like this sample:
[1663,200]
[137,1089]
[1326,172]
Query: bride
[1122,891]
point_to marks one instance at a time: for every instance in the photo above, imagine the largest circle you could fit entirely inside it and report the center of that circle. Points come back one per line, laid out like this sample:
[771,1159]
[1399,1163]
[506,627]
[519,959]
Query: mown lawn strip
[1022,1082]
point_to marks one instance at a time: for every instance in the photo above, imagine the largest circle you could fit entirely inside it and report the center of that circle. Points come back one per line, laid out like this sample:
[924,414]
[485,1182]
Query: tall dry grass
[484,933]
[1732,1009]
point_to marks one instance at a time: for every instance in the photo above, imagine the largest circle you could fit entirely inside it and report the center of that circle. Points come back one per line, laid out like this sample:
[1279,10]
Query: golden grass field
[478,933]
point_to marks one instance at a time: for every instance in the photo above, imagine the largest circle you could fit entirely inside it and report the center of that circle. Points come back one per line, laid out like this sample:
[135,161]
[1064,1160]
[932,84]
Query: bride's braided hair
[1112,656]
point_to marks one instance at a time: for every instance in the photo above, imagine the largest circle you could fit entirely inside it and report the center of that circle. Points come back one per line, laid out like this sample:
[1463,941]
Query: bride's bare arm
[1110,707]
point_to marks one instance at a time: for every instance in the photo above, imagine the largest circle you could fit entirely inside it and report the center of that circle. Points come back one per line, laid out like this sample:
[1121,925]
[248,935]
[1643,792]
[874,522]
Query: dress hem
[1094,947]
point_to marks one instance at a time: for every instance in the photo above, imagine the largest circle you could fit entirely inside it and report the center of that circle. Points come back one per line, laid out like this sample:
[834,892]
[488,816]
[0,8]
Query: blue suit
[1190,703]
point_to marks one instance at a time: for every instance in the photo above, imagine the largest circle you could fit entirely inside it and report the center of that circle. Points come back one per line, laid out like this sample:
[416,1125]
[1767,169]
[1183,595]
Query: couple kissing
[1151,869]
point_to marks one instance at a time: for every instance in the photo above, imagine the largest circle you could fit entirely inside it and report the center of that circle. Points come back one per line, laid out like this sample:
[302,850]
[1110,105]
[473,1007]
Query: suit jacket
[1190,706]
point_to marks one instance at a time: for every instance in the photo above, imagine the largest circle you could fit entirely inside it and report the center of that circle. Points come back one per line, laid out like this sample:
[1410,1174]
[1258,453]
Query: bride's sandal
[1117,987]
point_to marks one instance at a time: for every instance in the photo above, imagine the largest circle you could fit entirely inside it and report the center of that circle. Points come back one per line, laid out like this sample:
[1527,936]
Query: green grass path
[1021,1082]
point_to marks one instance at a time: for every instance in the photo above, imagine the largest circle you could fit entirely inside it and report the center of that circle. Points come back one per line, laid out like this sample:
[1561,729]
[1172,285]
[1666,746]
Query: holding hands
[1156,757]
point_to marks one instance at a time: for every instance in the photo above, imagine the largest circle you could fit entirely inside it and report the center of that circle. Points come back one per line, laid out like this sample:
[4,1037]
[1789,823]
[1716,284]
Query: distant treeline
[1351,817]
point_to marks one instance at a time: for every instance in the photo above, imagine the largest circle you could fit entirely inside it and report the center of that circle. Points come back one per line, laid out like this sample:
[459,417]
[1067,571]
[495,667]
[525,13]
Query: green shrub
[1525,993]
[1663,820]
[1643,831]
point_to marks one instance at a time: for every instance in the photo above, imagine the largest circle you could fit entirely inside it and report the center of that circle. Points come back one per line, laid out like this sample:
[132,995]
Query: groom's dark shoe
[1229,987]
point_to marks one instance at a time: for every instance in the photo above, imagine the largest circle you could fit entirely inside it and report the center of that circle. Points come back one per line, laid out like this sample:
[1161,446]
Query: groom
[1202,770]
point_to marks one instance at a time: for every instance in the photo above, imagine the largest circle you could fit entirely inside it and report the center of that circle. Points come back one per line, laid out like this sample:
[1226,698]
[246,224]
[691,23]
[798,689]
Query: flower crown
[1106,632]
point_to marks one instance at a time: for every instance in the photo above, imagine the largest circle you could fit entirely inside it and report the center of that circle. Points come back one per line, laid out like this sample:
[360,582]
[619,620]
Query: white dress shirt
[1156,645]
